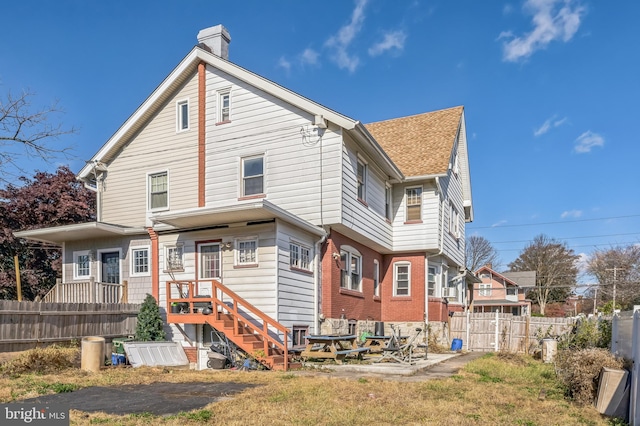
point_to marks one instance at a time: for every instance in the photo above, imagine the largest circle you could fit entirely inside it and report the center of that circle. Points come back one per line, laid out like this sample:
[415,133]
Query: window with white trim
[139,261]
[414,203]
[209,260]
[247,252]
[454,221]
[182,119]
[158,191]
[362,180]
[299,256]
[351,270]
[174,258]
[252,175]
[402,279]
[81,264]
[431,281]
[224,106]
[485,289]
[376,278]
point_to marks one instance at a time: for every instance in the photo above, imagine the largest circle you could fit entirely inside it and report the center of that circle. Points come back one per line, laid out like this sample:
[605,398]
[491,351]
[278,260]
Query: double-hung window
[485,289]
[299,256]
[139,261]
[402,279]
[414,203]
[388,206]
[252,175]
[224,106]
[431,281]
[158,191]
[247,252]
[351,270]
[376,278]
[209,257]
[174,258]
[454,221]
[81,264]
[182,108]
[362,180]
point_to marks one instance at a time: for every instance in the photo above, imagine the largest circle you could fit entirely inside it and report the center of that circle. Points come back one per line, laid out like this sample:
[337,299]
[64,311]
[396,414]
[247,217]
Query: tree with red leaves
[47,200]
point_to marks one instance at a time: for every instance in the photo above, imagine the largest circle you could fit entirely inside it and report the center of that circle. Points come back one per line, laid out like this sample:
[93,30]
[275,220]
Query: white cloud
[284,63]
[499,223]
[391,40]
[507,9]
[552,20]
[340,42]
[309,57]
[571,214]
[586,141]
[548,124]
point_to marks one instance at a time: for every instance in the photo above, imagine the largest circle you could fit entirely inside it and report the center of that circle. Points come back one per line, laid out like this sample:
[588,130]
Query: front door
[111,267]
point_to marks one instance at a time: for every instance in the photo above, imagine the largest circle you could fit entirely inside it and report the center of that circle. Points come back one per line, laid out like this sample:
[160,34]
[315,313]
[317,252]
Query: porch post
[92,291]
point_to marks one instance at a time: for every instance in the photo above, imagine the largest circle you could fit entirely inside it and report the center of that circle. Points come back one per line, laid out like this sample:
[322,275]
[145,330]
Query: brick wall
[404,308]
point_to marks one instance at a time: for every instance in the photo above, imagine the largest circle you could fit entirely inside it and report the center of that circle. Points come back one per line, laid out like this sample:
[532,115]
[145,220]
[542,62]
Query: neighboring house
[499,293]
[307,214]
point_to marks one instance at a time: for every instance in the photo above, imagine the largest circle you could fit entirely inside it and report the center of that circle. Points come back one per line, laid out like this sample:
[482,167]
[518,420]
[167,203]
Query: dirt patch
[159,398]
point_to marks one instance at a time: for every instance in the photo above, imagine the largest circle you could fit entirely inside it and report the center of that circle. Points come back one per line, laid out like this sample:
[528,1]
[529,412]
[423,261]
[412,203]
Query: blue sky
[549,87]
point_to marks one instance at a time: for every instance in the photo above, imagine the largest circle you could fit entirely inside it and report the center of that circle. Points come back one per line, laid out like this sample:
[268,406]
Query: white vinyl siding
[261,123]
[125,196]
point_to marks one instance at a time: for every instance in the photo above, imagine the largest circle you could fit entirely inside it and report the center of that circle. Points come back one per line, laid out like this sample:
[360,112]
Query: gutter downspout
[155,262]
[318,283]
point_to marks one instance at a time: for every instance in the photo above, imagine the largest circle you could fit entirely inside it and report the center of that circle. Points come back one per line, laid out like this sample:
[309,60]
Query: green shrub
[150,326]
[587,333]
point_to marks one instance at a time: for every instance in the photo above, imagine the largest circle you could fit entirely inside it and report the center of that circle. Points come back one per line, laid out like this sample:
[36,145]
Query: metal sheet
[155,354]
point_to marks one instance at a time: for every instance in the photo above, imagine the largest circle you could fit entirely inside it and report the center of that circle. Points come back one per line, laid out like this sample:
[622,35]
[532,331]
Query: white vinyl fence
[625,342]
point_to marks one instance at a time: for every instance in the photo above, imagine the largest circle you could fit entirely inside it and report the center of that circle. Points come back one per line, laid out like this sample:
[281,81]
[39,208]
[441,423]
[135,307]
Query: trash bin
[92,357]
[456,344]
[379,328]
[117,343]
[216,361]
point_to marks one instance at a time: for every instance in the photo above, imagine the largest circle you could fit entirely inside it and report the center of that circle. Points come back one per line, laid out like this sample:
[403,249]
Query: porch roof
[232,215]
[80,231]
[499,302]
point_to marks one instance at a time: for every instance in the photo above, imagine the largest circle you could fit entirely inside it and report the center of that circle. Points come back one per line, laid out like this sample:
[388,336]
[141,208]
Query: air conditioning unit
[450,292]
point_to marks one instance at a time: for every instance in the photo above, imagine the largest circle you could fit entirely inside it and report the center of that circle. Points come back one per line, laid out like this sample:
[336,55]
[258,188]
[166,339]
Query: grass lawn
[492,390]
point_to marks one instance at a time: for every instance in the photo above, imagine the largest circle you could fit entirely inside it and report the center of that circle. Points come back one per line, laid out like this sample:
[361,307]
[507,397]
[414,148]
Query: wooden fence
[489,332]
[26,325]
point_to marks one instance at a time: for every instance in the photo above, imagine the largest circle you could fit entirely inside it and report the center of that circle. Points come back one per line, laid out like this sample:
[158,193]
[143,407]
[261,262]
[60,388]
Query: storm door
[110,267]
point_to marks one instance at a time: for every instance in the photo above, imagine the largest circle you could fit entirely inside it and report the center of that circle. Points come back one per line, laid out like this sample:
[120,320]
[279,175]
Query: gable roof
[523,278]
[186,68]
[429,137]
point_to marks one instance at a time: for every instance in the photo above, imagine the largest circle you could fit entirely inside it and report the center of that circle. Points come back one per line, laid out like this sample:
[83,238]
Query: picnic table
[336,347]
[376,343]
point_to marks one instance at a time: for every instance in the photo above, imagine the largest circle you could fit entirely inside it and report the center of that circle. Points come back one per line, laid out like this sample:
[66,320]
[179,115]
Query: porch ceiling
[82,231]
[232,214]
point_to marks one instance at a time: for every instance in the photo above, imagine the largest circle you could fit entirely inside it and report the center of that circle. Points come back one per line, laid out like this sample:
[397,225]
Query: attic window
[224,106]
[183,115]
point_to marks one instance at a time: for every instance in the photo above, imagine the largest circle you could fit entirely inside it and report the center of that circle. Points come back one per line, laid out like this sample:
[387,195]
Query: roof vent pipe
[217,40]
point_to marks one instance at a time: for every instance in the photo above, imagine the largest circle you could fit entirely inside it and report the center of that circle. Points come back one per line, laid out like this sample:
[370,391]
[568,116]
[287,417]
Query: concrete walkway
[435,366]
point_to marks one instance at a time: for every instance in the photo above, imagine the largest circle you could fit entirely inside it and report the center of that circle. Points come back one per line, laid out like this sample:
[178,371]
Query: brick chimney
[216,40]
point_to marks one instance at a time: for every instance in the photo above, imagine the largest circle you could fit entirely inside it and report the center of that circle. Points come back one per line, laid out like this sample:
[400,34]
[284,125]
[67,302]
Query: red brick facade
[337,301]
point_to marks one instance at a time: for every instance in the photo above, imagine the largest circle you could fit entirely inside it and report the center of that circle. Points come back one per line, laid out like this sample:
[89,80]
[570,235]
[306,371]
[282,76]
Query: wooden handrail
[216,302]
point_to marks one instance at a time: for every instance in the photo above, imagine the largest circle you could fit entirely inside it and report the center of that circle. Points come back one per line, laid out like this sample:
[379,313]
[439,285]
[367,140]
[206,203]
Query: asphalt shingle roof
[419,144]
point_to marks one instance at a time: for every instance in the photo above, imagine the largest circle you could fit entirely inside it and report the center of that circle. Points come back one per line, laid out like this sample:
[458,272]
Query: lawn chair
[396,350]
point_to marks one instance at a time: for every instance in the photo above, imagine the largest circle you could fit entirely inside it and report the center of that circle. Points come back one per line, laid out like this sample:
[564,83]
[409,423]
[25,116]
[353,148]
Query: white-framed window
[454,221]
[158,191]
[362,179]
[182,115]
[376,278]
[247,251]
[174,258]
[351,269]
[224,106]
[402,279]
[485,289]
[414,203]
[81,264]
[431,281]
[299,256]
[140,265]
[253,175]
[388,202]
[209,260]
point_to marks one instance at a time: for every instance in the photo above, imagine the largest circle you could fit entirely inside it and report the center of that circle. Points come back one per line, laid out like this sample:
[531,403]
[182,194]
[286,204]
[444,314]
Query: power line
[571,238]
[554,223]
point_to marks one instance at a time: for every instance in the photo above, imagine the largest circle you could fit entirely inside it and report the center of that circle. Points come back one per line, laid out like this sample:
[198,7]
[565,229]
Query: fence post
[124,298]
[614,333]
[497,333]
[58,285]
[634,416]
[527,324]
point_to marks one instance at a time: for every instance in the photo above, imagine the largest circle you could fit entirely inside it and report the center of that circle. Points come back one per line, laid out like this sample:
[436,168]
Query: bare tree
[555,266]
[26,132]
[480,252]
[617,270]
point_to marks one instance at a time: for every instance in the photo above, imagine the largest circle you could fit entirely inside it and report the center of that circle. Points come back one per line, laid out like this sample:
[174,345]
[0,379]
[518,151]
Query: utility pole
[615,279]
[595,300]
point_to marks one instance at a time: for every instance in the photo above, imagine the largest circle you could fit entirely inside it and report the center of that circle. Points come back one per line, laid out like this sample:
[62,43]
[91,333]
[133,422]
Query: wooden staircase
[246,326]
